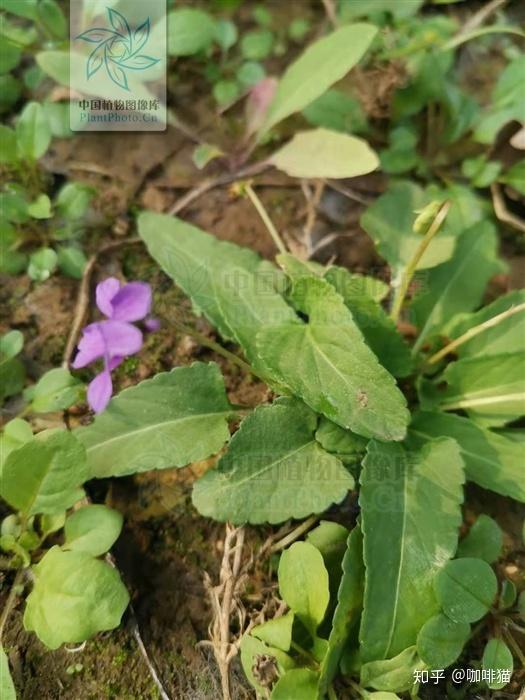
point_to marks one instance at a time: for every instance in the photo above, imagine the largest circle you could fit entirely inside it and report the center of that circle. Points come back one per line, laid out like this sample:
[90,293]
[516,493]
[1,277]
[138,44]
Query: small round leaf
[465,589]
[440,641]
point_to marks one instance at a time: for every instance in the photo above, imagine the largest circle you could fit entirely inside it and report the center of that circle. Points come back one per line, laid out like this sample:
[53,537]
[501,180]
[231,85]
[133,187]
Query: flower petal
[120,338]
[132,302]
[91,346]
[105,293]
[99,391]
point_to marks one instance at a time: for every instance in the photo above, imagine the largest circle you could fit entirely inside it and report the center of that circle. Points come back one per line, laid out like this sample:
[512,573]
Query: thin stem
[473,332]
[10,602]
[515,647]
[219,349]
[410,269]
[265,218]
[355,686]
[331,693]
[295,533]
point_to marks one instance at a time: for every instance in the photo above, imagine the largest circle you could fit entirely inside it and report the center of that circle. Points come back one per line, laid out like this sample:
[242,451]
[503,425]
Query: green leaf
[261,662]
[338,111]
[55,64]
[250,73]
[303,584]
[71,261]
[7,688]
[389,220]
[225,91]
[52,18]
[57,115]
[331,540]
[174,419]
[204,153]
[10,55]
[32,132]
[401,9]
[504,337]
[12,377]
[491,389]
[73,200]
[348,610]
[270,480]
[42,264]
[276,632]
[321,65]
[8,152]
[225,33]
[395,674]
[493,461]
[515,177]
[401,155]
[11,344]
[10,89]
[44,475]
[40,208]
[459,284]
[13,204]
[21,8]
[231,285]
[466,589]
[297,684]
[508,595]
[347,446]
[506,104]
[378,329]
[257,45]
[327,363]
[484,540]
[56,390]
[189,31]
[14,434]
[441,641]
[323,153]
[93,529]
[410,510]
[480,171]
[497,660]
[74,597]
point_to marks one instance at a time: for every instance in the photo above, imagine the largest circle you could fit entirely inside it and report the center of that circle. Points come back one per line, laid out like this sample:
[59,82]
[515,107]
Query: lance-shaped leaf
[410,510]
[324,153]
[508,335]
[44,475]
[348,610]
[491,389]
[273,470]
[493,461]
[230,285]
[459,284]
[321,65]
[74,597]
[378,328]
[171,420]
[327,363]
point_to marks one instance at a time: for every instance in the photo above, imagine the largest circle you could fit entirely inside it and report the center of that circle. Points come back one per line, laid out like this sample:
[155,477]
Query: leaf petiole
[254,199]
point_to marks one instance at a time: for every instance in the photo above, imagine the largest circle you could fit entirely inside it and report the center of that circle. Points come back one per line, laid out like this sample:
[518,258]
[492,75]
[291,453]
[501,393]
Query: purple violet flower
[115,338]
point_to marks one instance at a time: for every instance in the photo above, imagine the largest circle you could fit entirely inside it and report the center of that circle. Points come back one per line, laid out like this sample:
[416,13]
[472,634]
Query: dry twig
[501,211]
[226,603]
